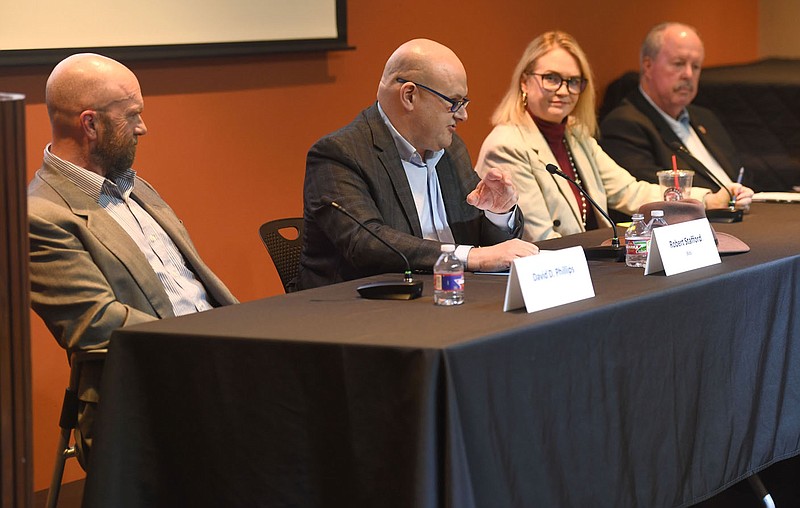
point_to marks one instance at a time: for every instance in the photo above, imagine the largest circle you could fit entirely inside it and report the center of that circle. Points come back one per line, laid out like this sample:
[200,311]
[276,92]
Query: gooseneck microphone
[680,148]
[407,289]
[731,214]
[615,250]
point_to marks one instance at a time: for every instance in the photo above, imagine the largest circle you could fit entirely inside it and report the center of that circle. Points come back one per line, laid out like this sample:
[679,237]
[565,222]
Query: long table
[659,391]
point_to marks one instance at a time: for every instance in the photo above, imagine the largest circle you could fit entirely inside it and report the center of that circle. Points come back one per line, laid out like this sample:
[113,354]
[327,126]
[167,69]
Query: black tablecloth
[660,391]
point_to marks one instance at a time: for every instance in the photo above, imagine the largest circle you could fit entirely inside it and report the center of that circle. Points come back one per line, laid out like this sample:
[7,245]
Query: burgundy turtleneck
[554,135]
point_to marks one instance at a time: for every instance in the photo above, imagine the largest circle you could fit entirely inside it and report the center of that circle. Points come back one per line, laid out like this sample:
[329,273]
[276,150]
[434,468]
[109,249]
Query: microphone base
[605,252]
[724,215]
[391,290]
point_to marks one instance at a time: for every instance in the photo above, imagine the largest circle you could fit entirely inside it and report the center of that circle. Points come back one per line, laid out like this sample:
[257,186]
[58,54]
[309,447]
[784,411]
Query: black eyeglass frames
[455,105]
[552,82]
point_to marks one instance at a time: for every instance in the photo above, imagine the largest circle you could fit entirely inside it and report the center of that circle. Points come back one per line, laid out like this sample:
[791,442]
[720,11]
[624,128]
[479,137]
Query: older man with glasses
[401,170]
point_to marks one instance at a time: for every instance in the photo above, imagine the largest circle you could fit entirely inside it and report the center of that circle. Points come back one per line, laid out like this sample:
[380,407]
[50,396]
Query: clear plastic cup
[675,185]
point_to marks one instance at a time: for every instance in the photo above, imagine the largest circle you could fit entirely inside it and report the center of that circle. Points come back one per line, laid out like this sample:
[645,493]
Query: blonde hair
[511,110]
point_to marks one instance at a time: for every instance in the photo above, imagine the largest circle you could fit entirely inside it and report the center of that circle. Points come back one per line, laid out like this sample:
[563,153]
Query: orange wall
[228,137]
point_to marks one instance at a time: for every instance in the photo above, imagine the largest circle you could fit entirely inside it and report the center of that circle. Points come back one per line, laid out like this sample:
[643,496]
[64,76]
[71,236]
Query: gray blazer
[88,277]
[359,167]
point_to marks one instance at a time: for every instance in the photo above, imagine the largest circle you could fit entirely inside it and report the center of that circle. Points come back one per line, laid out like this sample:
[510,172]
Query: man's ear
[88,121]
[647,64]
[407,96]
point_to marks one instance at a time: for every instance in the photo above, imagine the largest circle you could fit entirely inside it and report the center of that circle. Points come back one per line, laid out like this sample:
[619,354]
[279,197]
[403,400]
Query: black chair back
[284,250]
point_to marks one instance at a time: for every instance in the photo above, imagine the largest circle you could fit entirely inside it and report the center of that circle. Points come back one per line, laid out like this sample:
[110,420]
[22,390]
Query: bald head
[421,60]
[95,107]
[87,81]
[416,107]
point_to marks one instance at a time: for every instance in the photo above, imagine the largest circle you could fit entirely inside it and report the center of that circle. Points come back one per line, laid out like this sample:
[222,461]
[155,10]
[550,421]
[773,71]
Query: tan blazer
[546,200]
[88,277]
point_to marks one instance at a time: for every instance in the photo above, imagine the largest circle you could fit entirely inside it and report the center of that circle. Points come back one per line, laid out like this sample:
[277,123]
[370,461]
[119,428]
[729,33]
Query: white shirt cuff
[502,220]
[462,253]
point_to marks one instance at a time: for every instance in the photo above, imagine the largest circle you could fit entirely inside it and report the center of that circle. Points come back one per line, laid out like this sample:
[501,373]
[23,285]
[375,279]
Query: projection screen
[44,31]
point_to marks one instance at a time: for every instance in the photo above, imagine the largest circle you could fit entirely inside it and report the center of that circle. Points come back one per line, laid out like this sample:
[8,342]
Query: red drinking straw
[675,171]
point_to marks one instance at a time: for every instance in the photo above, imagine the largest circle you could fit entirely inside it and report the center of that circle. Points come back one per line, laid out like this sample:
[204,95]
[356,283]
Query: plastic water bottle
[637,238]
[448,278]
[656,221]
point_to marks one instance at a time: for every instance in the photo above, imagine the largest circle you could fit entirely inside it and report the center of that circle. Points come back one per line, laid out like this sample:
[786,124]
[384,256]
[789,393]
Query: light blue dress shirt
[682,128]
[424,183]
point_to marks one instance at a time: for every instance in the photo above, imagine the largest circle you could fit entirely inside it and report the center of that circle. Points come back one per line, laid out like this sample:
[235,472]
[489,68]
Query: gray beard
[114,161]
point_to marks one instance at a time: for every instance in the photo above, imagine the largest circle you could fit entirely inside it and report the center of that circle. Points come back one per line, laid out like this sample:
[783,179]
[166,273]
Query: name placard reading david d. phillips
[548,279]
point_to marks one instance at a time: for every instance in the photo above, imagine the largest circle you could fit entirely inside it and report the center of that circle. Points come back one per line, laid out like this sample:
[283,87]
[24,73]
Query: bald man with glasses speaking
[401,170]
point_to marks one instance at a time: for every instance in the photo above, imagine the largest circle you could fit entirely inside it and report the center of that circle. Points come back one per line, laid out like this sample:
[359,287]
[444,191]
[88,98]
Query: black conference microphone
[730,214]
[408,289]
[615,250]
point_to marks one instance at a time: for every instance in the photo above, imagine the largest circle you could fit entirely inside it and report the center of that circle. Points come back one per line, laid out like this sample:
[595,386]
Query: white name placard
[681,247]
[548,279]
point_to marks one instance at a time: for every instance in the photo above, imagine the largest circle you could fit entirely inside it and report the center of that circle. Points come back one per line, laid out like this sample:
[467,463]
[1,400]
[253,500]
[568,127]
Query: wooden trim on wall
[16,487]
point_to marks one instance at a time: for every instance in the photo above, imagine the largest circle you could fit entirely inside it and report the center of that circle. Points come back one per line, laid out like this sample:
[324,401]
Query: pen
[732,202]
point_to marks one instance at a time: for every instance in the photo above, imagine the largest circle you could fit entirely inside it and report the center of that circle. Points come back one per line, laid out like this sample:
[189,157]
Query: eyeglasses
[552,82]
[455,105]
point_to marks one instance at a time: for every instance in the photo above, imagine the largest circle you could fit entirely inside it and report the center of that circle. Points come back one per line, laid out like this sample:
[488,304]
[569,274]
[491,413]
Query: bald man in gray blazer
[106,250]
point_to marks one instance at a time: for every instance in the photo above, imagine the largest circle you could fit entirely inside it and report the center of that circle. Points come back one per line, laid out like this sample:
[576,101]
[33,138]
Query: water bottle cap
[656,213]
[448,247]
[637,216]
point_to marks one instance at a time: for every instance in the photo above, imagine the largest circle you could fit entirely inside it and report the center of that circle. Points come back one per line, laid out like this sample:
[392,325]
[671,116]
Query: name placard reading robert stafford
[681,247]
[683,242]
[549,279]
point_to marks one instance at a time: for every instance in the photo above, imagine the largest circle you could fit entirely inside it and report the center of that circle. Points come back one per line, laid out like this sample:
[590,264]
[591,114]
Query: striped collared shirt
[112,193]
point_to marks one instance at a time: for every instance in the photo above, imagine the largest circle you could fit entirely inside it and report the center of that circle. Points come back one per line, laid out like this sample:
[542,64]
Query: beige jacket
[88,277]
[546,200]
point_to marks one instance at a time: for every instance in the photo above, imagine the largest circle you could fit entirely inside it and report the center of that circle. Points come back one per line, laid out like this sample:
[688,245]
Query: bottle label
[448,281]
[636,246]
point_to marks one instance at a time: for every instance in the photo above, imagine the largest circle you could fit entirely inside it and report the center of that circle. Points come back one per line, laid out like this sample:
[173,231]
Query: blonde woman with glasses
[548,117]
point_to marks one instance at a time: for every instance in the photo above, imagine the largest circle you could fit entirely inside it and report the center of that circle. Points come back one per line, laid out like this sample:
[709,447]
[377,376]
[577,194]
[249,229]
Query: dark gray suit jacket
[359,167]
[638,138]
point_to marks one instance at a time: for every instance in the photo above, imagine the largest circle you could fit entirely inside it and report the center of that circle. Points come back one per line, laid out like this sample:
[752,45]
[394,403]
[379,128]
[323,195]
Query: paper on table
[777,197]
